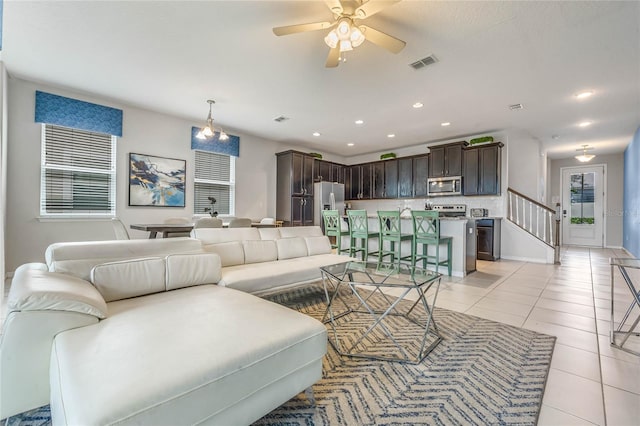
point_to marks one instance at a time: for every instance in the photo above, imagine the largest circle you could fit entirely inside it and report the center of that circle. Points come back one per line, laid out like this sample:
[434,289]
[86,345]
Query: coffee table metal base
[392,328]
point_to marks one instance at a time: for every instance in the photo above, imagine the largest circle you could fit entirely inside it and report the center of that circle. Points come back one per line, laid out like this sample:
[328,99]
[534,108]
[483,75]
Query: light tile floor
[589,381]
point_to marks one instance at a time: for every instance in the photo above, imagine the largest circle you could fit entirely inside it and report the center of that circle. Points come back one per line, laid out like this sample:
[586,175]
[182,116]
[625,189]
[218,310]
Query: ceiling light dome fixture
[584,157]
[346,35]
[208,131]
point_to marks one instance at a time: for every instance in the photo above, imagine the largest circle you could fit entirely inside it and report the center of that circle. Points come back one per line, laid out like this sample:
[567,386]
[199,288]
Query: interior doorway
[583,205]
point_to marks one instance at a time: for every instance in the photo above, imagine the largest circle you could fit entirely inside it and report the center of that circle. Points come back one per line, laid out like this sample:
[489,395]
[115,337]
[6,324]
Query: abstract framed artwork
[156,181]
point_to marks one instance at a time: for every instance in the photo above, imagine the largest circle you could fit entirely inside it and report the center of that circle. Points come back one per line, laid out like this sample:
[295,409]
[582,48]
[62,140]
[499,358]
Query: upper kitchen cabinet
[446,160]
[405,177]
[358,182]
[420,175]
[326,171]
[482,166]
[384,179]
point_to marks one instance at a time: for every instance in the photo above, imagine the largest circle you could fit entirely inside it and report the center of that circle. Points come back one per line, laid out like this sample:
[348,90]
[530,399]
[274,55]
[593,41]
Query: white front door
[583,206]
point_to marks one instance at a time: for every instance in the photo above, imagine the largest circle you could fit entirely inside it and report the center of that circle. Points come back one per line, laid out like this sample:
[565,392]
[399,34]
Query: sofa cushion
[223,235]
[291,247]
[318,245]
[256,251]
[186,270]
[38,290]
[269,233]
[231,253]
[78,258]
[230,345]
[129,278]
[300,231]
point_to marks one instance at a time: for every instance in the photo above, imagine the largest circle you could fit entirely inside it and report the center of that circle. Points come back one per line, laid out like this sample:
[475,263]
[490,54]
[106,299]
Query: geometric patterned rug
[482,372]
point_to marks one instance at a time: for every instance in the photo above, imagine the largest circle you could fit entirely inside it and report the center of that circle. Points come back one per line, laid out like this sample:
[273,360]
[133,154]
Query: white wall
[3,172]
[145,132]
[526,163]
[614,175]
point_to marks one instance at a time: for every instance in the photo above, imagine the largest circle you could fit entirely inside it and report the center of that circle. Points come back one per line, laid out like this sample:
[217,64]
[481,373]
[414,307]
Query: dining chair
[426,232]
[177,221]
[119,229]
[359,234]
[208,222]
[240,222]
[333,228]
[391,232]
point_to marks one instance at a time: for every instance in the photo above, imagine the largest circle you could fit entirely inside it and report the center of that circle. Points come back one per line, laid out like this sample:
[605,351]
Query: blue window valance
[67,112]
[229,147]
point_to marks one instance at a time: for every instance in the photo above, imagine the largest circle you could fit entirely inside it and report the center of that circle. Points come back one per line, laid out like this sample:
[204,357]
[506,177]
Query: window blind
[77,173]
[214,177]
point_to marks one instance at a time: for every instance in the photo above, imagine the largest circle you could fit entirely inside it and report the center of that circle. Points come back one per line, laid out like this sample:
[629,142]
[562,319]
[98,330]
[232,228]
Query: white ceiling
[171,56]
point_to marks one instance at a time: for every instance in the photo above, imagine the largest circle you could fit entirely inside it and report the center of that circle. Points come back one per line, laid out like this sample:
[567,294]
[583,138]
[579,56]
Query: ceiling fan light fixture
[344,28]
[345,46]
[332,39]
[357,37]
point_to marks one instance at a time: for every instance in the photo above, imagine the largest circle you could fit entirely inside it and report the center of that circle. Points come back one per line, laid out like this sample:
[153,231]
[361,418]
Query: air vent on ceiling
[280,118]
[424,62]
[516,106]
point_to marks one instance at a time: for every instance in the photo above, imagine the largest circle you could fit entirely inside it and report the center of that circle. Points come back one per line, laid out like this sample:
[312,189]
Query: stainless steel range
[451,210]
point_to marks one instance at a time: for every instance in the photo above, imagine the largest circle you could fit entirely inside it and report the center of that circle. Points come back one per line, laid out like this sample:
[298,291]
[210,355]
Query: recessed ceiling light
[584,124]
[359,122]
[316,134]
[391,135]
[350,144]
[418,105]
[445,124]
[585,94]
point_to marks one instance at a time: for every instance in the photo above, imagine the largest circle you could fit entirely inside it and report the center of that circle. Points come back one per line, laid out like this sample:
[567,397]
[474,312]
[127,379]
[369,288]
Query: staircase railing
[539,220]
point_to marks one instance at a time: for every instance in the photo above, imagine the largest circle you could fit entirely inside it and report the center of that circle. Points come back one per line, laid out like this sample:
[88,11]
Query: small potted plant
[211,209]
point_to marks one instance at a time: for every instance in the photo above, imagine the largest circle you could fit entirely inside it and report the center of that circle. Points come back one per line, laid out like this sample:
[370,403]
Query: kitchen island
[455,227]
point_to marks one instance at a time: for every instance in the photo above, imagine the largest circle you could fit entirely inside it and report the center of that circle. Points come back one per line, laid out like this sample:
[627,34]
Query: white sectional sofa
[264,260]
[137,332]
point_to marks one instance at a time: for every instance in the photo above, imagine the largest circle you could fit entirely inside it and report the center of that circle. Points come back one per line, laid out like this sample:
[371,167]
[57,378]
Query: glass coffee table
[395,325]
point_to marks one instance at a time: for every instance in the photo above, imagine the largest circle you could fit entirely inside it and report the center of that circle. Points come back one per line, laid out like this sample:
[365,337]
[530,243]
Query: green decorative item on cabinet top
[316,155]
[387,155]
[484,139]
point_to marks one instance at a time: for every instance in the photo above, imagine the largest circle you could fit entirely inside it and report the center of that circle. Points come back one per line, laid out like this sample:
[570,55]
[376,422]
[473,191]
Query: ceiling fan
[347,33]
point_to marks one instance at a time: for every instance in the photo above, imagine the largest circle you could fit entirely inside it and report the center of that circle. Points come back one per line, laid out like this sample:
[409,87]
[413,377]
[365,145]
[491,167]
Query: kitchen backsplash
[495,205]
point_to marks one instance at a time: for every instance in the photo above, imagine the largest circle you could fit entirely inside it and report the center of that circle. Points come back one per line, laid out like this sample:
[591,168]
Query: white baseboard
[526,259]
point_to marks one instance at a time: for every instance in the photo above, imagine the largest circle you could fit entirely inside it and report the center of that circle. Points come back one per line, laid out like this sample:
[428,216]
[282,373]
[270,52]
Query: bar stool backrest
[358,222]
[426,224]
[389,222]
[331,221]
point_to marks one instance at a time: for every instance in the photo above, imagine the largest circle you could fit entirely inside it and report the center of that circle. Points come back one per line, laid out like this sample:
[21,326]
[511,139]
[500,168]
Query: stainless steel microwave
[444,186]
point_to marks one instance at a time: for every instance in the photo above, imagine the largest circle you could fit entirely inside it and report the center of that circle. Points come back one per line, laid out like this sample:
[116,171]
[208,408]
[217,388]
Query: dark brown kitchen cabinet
[359,183]
[405,177]
[420,175]
[390,179]
[294,188]
[377,178]
[446,160]
[482,169]
[337,173]
[322,171]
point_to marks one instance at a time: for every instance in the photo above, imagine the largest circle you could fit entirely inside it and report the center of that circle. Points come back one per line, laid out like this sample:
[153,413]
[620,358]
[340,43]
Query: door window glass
[582,187]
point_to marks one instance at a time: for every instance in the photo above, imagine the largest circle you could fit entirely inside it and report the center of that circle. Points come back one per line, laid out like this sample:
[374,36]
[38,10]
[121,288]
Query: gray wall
[147,132]
[613,192]
[525,169]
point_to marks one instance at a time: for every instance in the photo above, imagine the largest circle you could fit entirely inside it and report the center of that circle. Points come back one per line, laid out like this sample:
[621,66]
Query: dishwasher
[488,245]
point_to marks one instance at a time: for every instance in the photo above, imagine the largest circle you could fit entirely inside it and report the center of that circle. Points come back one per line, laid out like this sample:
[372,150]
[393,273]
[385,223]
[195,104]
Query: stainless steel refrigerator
[327,196]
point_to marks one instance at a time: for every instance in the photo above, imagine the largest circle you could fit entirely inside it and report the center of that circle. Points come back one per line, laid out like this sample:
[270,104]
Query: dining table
[173,228]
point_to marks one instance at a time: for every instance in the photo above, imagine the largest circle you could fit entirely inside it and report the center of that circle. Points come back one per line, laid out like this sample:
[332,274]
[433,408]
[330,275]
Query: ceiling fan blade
[335,6]
[333,59]
[292,29]
[390,43]
[372,7]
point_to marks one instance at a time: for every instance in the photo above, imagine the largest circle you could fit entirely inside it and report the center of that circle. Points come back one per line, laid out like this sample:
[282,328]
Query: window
[214,177]
[78,172]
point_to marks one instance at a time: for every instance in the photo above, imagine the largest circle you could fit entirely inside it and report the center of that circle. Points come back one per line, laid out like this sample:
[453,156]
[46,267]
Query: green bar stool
[359,233]
[390,231]
[426,231]
[333,228]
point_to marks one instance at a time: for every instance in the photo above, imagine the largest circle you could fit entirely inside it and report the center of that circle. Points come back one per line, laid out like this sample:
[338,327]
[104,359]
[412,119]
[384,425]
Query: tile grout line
[604,406]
